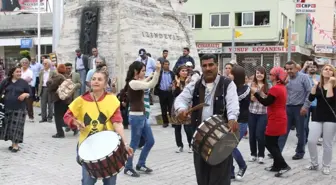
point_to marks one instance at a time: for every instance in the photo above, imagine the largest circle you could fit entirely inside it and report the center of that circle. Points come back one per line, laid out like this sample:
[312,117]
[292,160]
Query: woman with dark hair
[243,91]
[15,90]
[60,106]
[258,117]
[277,118]
[135,86]
[181,80]
[228,67]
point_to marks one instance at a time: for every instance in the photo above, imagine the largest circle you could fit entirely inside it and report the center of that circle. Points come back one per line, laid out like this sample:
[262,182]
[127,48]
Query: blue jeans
[140,127]
[88,180]
[236,153]
[82,75]
[257,125]
[293,116]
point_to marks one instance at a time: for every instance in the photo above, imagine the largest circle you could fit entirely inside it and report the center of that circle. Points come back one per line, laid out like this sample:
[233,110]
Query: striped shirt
[147,104]
[298,90]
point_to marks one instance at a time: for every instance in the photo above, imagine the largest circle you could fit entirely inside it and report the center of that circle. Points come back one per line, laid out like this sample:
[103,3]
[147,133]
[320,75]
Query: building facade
[323,29]
[261,23]
[19,32]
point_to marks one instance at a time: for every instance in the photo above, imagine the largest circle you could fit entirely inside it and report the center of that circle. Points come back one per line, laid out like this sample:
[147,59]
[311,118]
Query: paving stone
[45,160]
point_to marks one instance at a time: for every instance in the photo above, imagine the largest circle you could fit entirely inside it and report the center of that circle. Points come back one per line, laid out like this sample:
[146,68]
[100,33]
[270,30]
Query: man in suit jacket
[45,96]
[92,59]
[81,67]
[164,90]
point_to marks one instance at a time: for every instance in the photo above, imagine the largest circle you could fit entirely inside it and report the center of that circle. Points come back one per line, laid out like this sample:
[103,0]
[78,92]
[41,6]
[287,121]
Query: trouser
[316,129]
[46,103]
[311,112]
[293,115]
[88,180]
[273,147]
[166,103]
[257,125]
[124,113]
[188,129]
[82,75]
[236,153]
[36,89]
[60,109]
[212,175]
[30,108]
[140,127]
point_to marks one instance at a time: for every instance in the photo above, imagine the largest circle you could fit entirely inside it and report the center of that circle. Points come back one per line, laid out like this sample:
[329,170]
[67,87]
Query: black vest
[219,105]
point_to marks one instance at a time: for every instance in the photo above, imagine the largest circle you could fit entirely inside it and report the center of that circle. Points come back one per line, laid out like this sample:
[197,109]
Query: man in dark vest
[221,95]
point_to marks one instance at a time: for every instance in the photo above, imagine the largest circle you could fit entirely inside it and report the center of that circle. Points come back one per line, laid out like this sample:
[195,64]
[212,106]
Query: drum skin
[213,141]
[110,165]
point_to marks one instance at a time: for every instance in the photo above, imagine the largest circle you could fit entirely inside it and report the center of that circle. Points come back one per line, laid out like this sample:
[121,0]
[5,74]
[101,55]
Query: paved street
[47,161]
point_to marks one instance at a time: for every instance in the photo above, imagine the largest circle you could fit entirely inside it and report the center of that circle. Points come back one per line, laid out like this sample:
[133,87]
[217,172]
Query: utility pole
[38,31]
[57,4]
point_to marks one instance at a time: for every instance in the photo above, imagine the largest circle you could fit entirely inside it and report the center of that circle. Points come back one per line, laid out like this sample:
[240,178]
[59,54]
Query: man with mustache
[216,91]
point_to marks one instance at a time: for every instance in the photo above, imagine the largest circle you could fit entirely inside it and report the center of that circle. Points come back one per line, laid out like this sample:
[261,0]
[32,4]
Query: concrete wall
[255,33]
[126,27]
[324,15]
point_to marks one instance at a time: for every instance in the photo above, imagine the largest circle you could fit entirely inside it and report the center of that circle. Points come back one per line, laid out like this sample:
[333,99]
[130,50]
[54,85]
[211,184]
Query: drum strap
[94,98]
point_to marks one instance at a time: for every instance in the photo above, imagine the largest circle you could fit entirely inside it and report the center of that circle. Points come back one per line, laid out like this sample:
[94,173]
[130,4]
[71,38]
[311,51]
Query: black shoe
[14,150]
[271,169]
[42,121]
[165,125]
[270,156]
[282,171]
[58,136]
[233,177]
[75,132]
[293,127]
[297,157]
[40,114]
[131,173]
[67,129]
[10,148]
[143,169]
[241,172]
[49,120]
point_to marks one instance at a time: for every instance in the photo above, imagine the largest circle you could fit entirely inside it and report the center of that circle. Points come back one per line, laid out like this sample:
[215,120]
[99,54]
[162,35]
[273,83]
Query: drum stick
[74,119]
[197,107]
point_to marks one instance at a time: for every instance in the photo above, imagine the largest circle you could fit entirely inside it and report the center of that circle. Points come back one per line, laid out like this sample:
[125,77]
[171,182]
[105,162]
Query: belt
[300,105]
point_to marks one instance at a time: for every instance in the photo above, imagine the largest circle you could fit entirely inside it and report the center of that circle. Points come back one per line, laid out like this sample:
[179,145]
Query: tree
[25,54]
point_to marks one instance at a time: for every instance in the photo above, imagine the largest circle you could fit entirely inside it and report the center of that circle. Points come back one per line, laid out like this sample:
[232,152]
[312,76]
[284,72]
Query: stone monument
[122,28]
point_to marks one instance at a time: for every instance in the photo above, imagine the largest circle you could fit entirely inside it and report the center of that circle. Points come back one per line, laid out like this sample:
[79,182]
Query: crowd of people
[267,104]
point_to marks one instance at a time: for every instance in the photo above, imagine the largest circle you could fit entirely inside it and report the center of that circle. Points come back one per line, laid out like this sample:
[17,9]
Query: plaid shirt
[256,107]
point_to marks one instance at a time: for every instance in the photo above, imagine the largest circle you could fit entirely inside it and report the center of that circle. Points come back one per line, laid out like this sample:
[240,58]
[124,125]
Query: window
[252,18]
[195,20]
[219,20]
[248,19]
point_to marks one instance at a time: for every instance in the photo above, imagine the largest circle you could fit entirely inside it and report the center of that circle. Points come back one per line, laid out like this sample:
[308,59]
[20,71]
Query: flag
[238,34]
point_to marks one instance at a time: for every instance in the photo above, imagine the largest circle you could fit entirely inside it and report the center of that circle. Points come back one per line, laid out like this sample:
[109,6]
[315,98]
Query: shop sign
[258,49]
[26,43]
[305,8]
[209,48]
[324,49]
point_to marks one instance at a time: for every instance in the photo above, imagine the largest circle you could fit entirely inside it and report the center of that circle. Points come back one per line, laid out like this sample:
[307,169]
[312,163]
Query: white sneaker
[326,170]
[252,159]
[260,160]
[179,150]
[190,150]
[31,120]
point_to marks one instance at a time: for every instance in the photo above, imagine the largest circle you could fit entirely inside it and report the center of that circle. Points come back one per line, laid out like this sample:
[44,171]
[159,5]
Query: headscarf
[279,73]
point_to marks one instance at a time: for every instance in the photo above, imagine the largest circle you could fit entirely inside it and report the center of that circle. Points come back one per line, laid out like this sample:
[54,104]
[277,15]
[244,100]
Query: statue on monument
[89,30]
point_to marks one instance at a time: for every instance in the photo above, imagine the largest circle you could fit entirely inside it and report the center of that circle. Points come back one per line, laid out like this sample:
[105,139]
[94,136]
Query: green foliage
[24,54]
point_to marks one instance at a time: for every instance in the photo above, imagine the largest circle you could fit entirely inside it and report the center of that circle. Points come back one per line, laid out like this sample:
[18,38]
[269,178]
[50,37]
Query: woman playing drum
[93,112]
